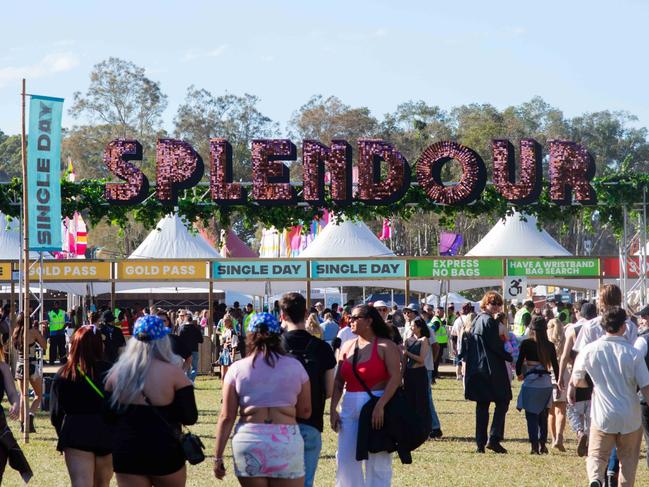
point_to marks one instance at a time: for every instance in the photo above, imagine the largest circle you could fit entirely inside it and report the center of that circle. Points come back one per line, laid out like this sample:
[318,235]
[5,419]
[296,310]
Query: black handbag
[192,447]
[191,444]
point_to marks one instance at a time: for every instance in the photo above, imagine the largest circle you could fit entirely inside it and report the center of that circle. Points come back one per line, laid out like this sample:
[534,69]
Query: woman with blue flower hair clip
[270,389]
[152,397]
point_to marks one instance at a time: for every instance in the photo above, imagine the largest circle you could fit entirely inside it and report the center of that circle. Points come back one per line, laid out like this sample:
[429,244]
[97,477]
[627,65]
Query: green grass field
[447,462]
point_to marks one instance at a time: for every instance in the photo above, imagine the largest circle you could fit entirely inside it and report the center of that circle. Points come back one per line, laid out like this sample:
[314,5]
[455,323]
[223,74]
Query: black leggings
[537,427]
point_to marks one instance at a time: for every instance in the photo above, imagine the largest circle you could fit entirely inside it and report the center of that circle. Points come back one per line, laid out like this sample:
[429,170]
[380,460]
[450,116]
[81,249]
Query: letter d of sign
[372,188]
[571,169]
[117,157]
[178,167]
[429,173]
[528,189]
[270,178]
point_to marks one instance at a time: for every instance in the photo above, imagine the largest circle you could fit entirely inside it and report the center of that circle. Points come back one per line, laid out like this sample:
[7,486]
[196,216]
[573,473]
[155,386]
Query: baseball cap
[412,307]
[149,328]
[264,322]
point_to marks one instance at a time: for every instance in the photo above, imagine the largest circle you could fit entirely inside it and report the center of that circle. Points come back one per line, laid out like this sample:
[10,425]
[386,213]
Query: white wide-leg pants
[378,467]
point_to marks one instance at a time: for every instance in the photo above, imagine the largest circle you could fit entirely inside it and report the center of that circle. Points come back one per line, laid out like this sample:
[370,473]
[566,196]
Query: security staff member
[523,318]
[564,313]
[56,322]
[438,324]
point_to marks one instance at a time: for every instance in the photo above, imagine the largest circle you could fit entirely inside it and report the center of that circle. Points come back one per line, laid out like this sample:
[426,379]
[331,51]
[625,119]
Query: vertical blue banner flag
[44,173]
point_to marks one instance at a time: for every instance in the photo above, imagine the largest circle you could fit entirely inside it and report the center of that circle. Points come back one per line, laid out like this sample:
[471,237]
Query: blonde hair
[227,318]
[557,335]
[133,365]
[468,321]
[313,325]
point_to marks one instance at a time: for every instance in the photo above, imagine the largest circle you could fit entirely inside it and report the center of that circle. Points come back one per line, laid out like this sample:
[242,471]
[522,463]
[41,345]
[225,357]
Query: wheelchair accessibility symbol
[516,287]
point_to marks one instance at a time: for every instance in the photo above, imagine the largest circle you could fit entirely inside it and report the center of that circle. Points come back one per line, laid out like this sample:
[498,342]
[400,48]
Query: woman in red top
[378,365]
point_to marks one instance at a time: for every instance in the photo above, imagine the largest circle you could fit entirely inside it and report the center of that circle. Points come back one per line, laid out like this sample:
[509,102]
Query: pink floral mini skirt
[268,450]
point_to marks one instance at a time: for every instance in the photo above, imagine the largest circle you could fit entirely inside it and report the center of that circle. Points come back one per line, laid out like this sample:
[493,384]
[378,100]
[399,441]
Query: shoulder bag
[190,443]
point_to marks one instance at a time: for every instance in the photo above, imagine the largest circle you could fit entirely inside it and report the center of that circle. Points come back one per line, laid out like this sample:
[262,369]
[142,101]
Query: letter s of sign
[117,157]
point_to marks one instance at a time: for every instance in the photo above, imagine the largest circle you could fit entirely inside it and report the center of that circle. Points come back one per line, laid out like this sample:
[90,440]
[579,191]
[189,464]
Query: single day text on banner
[44,173]
[244,270]
[359,269]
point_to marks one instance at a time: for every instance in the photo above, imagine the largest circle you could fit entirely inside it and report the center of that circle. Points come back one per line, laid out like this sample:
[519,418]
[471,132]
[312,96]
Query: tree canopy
[121,100]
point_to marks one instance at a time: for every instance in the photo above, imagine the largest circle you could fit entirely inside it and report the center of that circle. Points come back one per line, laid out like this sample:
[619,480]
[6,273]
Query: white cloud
[49,65]
[194,54]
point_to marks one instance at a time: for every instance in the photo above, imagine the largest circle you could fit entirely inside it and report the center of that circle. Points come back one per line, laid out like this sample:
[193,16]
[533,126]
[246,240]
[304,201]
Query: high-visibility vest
[564,316]
[246,322]
[440,330]
[519,323]
[57,320]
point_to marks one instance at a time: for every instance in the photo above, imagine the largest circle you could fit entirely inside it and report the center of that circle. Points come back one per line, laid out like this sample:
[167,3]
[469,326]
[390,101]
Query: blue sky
[579,56]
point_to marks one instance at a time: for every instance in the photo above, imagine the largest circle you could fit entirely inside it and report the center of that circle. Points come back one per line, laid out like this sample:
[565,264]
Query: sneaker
[595,483]
[543,450]
[496,447]
[480,449]
[582,446]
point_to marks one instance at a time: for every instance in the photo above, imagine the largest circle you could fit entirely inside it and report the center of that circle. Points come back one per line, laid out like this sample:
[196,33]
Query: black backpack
[309,360]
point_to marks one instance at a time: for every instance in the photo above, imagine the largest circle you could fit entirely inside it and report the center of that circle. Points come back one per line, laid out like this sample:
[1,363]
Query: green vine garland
[614,192]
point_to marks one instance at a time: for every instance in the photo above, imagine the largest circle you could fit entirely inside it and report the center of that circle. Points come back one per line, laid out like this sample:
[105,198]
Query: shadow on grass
[471,439]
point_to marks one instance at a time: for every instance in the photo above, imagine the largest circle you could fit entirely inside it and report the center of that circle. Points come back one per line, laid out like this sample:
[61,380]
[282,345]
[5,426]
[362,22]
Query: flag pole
[25,271]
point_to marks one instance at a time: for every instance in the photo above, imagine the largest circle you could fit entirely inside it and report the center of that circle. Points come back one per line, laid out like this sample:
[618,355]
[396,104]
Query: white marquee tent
[346,239]
[518,235]
[354,239]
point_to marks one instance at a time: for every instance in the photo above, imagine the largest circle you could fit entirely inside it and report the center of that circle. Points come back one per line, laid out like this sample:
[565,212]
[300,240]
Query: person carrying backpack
[318,359]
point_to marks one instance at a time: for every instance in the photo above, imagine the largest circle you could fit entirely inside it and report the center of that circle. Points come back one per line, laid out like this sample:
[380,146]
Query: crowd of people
[127,377]
[588,363]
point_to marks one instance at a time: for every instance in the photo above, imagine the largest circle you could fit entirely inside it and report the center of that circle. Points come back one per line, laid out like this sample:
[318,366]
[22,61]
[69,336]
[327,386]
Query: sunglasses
[354,318]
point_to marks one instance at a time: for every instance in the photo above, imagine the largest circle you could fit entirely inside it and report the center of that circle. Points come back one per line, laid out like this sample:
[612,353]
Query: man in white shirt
[609,296]
[616,370]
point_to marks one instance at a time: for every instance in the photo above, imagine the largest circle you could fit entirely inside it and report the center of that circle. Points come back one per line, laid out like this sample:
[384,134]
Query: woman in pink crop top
[378,366]
[270,389]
